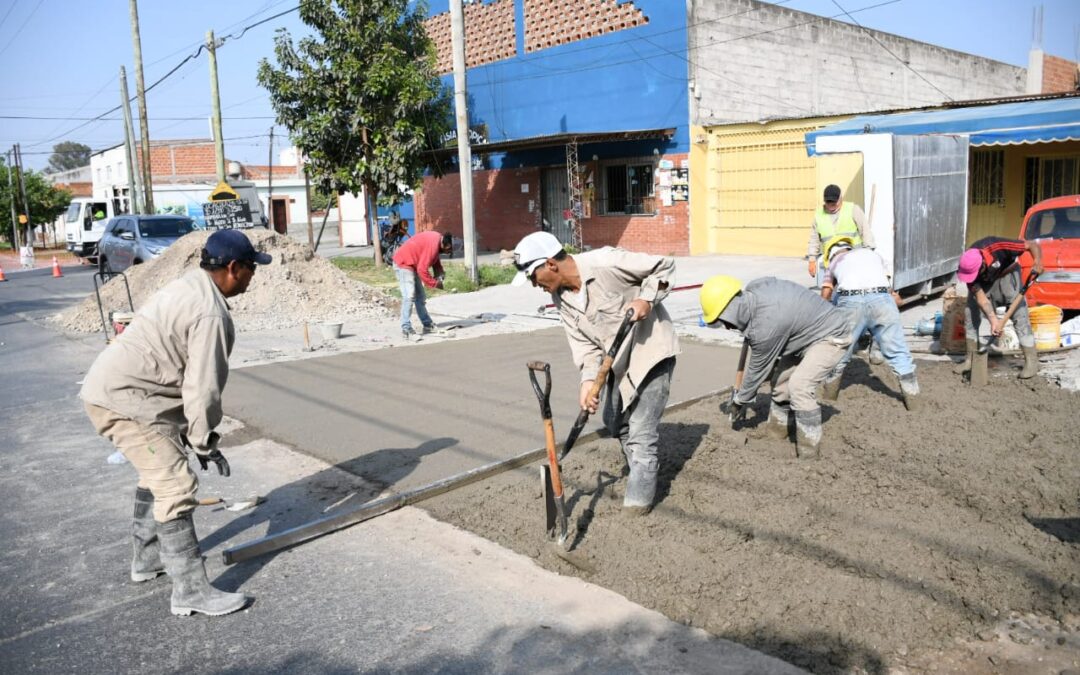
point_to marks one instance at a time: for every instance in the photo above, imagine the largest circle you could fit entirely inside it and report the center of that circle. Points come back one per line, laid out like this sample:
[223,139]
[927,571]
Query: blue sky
[62,58]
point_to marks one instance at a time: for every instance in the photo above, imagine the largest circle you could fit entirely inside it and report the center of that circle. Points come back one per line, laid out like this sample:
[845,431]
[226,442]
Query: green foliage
[456,279]
[69,155]
[361,97]
[46,202]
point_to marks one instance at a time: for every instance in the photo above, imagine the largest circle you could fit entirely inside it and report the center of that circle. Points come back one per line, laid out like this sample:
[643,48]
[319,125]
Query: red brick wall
[78,189]
[489,34]
[501,209]
[1059,75]
[259,172]
[503,216]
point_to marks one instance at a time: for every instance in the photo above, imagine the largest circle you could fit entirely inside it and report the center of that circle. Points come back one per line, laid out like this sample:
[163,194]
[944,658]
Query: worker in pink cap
[991,270]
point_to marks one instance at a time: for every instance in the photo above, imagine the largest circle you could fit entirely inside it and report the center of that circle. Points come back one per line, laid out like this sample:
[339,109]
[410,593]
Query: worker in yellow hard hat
[783,322]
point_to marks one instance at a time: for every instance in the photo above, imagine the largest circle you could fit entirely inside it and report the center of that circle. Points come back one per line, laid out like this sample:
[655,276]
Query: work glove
[211,454]
[734,409]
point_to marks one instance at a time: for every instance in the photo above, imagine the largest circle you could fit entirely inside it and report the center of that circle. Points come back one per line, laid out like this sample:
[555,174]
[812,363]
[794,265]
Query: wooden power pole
[134,189]
[144,124]
[215,103]
[468,225]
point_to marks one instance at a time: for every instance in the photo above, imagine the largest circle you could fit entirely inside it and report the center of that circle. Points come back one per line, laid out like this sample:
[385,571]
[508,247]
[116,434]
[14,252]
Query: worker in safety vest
[835,218]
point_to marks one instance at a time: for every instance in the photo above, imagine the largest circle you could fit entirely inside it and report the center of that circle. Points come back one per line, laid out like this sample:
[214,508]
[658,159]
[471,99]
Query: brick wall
[489,34]
[180,159]
[77,189]
[259,172]
[503,216]
[1059,75]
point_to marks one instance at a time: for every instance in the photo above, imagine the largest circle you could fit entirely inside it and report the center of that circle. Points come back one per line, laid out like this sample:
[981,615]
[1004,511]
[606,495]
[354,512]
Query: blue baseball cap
[225,246]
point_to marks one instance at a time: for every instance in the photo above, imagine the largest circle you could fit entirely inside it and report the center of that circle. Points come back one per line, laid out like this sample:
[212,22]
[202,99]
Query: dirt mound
[297,286]
[912,530]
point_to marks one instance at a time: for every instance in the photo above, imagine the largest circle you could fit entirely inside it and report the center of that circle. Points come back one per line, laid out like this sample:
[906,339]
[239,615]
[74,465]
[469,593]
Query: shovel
[233,505]
[598,383]
[552,475]
[980,367]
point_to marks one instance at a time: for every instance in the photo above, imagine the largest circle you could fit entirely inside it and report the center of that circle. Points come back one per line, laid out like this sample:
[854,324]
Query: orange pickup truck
[1055,224]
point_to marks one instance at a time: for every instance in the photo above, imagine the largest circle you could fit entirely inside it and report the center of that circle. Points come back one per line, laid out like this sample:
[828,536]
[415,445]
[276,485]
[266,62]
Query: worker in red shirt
[412,263]
[991,269]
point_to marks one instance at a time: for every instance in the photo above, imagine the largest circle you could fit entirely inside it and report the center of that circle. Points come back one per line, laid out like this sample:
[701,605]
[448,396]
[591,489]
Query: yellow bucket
[1046,325]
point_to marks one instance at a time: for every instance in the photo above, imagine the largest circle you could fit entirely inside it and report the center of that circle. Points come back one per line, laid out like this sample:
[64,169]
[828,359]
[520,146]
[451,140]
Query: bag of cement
[1070,332]
[1009,340]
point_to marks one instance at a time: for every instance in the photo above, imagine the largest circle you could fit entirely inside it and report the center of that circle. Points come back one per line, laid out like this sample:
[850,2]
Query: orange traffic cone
[2,277]
[56,269]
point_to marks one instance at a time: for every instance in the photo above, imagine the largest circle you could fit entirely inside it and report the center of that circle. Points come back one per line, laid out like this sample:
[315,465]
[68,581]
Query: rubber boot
[830,388]
[1031,363]
[965,366]
[808,433]
[192,591]
[146,559]
[909,387]
[779,415]
[980,369]
[640,489]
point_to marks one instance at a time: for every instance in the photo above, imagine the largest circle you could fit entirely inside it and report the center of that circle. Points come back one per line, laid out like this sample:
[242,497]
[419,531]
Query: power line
[882,44]
[18,31]
[117,119]
[8,13]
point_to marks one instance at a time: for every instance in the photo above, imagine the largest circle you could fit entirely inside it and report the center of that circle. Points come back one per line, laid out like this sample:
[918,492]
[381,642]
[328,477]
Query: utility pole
[11,193]
[134,190]
[215,103]
[144,124]
[26,203]
[270,182]
[457,31]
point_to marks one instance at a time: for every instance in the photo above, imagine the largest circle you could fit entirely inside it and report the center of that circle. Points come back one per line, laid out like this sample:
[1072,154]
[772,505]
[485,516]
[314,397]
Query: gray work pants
[796,376]
[638,427]
[1000,294]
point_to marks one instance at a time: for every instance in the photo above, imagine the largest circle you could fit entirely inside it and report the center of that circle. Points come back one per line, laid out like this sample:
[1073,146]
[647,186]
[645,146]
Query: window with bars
[1049,177]
[988,178]
[628,189]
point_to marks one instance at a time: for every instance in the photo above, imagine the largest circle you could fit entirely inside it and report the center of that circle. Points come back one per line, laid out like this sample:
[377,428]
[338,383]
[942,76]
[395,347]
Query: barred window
[1045,178]
[988,178]
[628,189]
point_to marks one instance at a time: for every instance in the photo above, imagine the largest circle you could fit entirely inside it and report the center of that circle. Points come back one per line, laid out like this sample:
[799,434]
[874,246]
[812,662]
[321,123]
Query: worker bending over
[991,270]
[156,394]
[857,277]
[781,321]
[592,292]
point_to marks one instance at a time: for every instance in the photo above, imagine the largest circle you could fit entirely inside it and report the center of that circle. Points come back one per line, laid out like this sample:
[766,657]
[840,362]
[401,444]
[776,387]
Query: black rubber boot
[146,559]
[965,366]
[1031,363]
[909,387]
[192,591]
[808,433]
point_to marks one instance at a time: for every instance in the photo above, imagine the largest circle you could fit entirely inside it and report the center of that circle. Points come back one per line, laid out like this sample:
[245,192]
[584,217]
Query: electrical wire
[18,31]
[8,13]
[891,53]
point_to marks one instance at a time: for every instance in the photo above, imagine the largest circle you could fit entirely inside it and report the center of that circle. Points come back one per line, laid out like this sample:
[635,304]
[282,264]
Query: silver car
[130,240]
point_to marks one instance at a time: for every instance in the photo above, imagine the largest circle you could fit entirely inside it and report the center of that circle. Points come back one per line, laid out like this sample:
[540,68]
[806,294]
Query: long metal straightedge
[378,507]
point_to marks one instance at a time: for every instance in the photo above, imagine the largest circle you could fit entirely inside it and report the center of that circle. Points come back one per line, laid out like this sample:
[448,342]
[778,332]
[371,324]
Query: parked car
[1055,224]
[131,240]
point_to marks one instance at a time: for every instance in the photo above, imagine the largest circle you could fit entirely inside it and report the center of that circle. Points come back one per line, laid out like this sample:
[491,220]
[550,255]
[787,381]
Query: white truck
[84,223]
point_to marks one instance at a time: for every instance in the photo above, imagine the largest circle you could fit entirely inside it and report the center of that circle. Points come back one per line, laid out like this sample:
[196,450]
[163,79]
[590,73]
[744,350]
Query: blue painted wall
[626,80]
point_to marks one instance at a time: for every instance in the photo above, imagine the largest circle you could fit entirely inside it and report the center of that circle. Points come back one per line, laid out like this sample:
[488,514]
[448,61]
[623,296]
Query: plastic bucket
[1046,325]
[331,330]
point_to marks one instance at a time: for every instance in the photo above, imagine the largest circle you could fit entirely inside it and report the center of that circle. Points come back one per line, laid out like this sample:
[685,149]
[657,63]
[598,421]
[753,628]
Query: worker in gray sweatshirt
[791,328]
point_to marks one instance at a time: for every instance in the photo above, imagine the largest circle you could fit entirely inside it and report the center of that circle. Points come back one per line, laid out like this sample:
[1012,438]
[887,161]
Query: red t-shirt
[420,253]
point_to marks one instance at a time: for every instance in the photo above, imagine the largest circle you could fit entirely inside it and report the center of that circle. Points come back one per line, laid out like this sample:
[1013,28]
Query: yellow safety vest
[845,224]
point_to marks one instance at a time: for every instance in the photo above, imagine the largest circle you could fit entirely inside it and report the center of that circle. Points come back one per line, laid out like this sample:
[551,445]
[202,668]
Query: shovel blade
[550,511]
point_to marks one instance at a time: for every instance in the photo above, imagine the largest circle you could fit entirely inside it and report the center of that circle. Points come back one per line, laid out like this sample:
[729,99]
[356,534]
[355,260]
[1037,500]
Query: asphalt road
[401,418]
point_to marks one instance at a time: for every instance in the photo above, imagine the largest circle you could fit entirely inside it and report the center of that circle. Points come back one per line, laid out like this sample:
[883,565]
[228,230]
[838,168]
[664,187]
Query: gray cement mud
[912,536]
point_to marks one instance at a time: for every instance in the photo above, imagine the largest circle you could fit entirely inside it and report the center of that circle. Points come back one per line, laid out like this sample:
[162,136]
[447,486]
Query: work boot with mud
[830,388]
[779,416]
[965,365]
[808,433]
[909,387]
[192,591]
[146,560]
[640,489]
[1031,363]
[980,369]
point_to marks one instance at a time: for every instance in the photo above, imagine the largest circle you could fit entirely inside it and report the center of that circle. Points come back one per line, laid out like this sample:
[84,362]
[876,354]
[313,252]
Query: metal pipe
[378,507]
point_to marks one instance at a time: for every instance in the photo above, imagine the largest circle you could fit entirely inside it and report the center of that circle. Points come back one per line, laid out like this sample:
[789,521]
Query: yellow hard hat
[839,239]
[716,294]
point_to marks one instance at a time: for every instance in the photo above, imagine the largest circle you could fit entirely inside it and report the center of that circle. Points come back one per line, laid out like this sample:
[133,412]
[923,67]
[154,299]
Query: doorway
[280,210]
[555,201]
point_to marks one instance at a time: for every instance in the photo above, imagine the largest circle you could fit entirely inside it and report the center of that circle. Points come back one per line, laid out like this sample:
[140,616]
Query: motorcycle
[392,234]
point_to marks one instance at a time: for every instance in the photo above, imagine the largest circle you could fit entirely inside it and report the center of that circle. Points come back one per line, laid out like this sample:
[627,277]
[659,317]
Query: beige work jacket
[168,368]
[611,278]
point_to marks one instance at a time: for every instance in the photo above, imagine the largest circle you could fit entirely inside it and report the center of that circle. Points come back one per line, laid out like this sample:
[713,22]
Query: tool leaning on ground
[598,384]
[979,366]
[552,472]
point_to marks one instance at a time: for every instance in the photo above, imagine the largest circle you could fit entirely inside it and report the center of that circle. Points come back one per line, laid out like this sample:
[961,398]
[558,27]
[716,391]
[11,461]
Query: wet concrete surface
[401,418]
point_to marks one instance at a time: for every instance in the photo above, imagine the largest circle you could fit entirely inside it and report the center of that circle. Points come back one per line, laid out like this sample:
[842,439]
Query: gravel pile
[297,286]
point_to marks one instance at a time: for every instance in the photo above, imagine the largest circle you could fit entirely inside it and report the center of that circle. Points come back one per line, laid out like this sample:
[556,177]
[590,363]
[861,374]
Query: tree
[68,155]
[361,98]
[47,202]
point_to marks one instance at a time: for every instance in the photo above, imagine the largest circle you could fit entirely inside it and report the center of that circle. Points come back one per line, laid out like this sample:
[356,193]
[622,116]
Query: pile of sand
[297,286]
